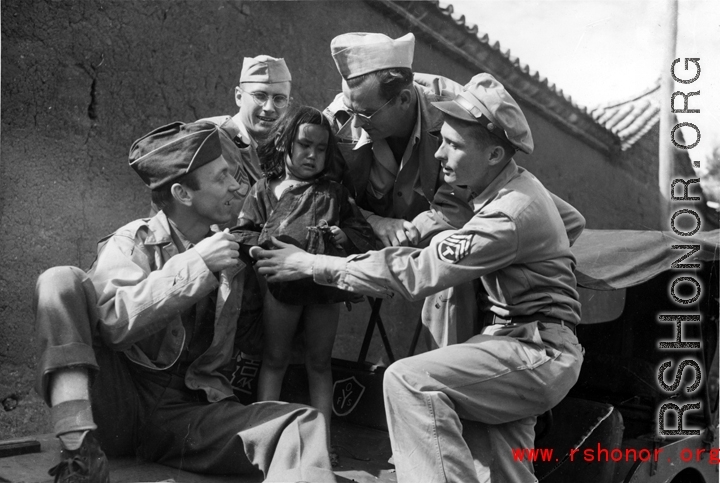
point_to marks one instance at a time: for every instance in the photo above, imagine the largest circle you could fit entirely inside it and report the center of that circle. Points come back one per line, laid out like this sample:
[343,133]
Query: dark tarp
[614,259]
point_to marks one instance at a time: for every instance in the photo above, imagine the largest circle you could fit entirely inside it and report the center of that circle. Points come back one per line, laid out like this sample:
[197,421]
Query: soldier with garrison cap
[132,352]
[388,134]
[387,128]
[262,96]
[527,358]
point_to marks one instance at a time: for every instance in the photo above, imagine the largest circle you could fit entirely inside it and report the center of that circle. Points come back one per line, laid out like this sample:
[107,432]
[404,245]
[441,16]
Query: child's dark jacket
[302,216]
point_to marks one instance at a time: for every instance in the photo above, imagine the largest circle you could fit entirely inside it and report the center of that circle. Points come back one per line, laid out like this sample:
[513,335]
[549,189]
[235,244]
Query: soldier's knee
[58,285]
[396,375]
[60,278]
[306,415]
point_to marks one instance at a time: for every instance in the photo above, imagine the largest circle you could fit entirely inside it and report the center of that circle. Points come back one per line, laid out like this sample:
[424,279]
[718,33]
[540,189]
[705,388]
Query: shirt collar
[508,172]
[417,131]
[363,140]
[159,230]
[178,235]
[163,231]
[244,135]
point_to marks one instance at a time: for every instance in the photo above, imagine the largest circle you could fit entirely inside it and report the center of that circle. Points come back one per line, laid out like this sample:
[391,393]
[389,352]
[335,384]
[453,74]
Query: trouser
[177,426]
[66,322]
[498,382]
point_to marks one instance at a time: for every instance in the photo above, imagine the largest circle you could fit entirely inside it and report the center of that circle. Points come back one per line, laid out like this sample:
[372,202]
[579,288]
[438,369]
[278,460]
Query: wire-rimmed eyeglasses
[367,118]
[261,98]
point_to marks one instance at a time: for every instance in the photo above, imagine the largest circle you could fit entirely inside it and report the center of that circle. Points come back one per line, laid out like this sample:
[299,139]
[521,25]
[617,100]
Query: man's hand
[393,231]
[219,251]
[339,237]
[284,264]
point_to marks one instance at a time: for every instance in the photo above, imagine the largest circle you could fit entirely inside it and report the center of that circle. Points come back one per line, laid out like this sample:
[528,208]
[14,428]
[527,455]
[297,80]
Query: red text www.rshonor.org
[601,454]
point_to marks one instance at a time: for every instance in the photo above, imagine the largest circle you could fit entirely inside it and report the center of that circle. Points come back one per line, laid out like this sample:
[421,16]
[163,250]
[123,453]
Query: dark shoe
[87,464]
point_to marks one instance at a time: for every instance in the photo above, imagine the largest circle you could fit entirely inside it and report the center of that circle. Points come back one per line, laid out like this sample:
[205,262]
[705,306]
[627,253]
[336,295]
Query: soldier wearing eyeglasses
[455,413]
[262,95]
[388,134]
[387,130]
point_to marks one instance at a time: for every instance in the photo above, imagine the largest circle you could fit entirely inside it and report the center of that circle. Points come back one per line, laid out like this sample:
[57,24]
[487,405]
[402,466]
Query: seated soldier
[148,329]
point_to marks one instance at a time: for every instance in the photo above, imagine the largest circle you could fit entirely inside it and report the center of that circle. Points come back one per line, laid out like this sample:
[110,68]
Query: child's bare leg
[280,322]
[320,327]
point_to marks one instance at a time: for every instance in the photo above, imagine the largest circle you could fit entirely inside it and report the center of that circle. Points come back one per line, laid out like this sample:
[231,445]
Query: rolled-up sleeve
[488,243]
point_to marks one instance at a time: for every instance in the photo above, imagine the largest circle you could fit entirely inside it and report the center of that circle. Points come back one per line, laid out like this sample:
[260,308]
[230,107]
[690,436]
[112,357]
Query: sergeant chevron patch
[454,248]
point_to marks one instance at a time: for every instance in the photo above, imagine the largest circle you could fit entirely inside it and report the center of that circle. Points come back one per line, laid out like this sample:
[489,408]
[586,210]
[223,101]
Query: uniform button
[174,332]
[400,194]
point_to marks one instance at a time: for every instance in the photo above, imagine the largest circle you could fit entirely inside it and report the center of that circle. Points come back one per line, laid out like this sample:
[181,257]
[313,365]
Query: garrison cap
[485,101]
[264,69]
[171,151]
[360,53]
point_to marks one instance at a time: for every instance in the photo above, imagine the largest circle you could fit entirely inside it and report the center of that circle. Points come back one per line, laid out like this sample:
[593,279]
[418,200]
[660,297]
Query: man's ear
[497,155]
[405,98]
[181,194]
[238,95]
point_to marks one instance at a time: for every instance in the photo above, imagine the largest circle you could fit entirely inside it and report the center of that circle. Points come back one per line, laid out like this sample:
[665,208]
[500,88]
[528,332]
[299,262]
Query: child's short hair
[280,140]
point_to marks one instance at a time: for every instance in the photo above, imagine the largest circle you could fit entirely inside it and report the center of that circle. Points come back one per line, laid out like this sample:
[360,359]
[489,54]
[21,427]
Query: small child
[298,203]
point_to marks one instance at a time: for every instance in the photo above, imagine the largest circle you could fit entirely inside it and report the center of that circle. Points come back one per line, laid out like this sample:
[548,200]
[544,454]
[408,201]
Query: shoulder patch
[454,248]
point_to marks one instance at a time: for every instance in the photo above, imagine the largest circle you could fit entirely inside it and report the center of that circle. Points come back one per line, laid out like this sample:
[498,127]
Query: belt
[525,319]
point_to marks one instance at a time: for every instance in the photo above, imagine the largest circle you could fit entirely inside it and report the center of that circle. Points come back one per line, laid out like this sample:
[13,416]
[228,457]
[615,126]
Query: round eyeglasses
[261,98]
[367,118]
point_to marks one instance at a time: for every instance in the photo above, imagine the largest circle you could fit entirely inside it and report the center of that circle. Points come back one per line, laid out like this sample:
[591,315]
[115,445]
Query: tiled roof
[439,23]
[632,118]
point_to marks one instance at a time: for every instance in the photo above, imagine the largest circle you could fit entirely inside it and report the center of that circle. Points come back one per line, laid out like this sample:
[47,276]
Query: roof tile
[440,22]
[630,119]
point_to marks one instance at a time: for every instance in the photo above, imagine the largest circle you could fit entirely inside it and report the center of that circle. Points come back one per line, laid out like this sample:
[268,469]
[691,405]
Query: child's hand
[339,237]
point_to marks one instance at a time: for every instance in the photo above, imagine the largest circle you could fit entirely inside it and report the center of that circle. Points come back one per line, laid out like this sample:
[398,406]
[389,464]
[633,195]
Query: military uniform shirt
[516,243]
